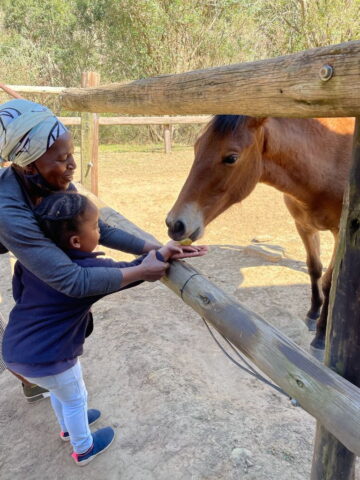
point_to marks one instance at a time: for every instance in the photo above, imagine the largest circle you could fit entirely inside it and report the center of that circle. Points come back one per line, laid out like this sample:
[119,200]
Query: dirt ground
[180,408]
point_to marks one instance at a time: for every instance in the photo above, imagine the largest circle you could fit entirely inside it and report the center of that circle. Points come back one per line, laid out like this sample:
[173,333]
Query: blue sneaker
[93,416]
[102,439]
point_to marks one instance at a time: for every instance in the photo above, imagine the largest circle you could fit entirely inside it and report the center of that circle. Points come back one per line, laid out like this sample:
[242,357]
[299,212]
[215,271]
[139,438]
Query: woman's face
[57,165]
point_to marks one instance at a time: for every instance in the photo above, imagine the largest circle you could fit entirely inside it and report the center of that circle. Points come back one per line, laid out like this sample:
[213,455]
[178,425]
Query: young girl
[47,329]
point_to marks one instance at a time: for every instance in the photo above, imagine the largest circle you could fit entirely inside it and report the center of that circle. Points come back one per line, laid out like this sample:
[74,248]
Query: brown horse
[306,159]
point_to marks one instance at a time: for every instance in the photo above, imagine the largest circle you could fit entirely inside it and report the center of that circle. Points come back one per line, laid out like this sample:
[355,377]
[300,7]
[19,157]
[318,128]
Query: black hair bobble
[60,206]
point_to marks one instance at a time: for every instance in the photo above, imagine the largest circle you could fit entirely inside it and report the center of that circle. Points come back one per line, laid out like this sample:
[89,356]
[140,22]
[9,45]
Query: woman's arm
[120,240]
[17,285]
[20,233]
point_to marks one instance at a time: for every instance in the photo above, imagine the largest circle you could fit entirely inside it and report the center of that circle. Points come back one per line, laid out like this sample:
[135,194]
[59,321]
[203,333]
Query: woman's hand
[190,251]
[174,251]
[170,249]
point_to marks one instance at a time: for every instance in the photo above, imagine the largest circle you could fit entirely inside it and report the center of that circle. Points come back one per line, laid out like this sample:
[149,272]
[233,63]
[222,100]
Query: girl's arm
[150,268]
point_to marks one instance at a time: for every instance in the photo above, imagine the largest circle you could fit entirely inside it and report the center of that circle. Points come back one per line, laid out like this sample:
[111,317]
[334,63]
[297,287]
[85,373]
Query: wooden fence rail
[155,120]
[321,82]
[90,123]
[37,89]
[167,121]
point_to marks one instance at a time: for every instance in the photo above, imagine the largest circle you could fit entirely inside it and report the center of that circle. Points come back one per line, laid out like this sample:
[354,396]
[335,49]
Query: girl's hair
[60,216]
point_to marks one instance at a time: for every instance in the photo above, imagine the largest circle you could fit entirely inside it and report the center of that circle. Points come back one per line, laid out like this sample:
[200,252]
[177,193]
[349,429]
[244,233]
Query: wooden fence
[319,390]
[319,82]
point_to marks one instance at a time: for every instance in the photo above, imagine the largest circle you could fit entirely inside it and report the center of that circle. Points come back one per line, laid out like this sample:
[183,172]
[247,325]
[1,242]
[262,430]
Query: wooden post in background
[167,137]
[332,460]
[90,139]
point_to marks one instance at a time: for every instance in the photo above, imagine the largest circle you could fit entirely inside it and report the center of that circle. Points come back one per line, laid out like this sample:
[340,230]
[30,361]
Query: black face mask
[34,185]
[39,186]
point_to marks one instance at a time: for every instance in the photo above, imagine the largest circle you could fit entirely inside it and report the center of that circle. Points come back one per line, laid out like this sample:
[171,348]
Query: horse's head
[226,168]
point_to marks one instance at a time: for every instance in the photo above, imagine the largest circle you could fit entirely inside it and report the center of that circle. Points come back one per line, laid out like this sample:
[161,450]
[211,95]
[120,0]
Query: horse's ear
[255,122]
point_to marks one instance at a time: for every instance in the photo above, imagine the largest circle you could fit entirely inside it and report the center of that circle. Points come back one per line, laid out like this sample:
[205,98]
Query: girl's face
[87,238]
[56,165]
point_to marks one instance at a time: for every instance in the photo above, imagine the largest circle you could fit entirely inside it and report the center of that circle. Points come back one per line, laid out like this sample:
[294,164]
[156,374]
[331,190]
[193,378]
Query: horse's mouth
[185,223]
[196,234]
[178,236]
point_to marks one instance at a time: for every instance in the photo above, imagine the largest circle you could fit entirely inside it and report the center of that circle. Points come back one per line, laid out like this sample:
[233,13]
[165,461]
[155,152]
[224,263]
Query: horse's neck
[296,158]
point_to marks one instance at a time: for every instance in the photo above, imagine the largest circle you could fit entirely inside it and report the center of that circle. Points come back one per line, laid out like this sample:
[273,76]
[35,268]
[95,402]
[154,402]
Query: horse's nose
[177,229]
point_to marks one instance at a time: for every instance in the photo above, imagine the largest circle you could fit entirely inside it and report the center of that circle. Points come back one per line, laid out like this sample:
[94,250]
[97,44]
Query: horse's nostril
[178,227]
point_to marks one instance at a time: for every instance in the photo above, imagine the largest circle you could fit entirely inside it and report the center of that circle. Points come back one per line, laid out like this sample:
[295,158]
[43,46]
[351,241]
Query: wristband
[159,256]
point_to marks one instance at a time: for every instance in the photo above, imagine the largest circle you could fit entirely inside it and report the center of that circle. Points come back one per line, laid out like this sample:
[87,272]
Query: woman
[40,150]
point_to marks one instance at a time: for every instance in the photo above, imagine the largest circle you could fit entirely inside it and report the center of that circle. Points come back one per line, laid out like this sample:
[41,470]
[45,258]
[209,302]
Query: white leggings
[69,400]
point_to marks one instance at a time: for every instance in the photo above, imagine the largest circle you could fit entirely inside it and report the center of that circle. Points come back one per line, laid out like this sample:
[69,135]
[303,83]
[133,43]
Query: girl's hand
[152,268]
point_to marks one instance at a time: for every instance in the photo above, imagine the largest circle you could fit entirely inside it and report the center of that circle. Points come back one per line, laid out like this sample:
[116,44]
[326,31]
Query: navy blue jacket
[21,234]
[45,325]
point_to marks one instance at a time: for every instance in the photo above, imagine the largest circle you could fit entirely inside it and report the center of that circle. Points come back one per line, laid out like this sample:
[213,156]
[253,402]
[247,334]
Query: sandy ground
[180,408]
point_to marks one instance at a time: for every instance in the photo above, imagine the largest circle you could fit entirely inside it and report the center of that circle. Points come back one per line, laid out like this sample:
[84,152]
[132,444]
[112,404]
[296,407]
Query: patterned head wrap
[27,131]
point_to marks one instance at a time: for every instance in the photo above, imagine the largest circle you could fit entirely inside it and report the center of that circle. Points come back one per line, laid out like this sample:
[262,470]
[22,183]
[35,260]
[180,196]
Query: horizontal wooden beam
[70,120]
[37,90]
[320,391]
[141,120]
[331,399]
[154,120]
[322,82]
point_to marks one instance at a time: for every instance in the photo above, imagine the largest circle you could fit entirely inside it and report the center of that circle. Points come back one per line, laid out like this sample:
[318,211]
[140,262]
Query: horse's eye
[230,159]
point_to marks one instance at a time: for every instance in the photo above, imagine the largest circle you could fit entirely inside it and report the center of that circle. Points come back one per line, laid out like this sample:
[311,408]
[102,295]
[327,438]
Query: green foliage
[292,25]
[162,37]
[53,41]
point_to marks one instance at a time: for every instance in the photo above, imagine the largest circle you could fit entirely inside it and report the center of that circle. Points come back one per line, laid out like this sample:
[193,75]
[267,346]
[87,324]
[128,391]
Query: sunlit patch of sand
[271,275]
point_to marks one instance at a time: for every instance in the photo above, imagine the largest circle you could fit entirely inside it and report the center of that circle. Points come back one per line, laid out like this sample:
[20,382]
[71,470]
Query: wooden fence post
[90,139]
[332,460]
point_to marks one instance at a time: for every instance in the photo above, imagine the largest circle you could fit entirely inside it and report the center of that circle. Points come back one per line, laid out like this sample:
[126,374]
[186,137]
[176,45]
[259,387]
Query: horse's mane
[225,124]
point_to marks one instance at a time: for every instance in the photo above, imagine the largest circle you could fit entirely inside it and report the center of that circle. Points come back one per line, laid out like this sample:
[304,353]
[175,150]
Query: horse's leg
[311,241]
[318,344]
